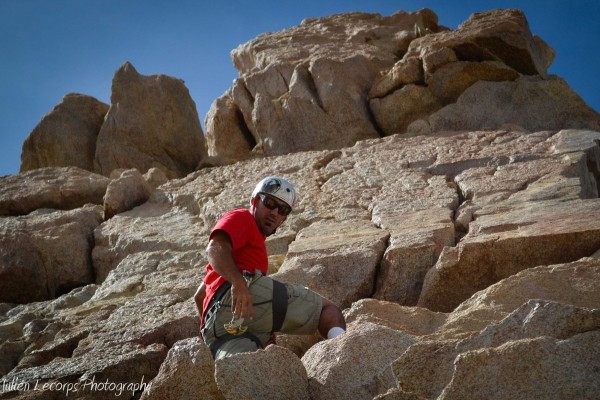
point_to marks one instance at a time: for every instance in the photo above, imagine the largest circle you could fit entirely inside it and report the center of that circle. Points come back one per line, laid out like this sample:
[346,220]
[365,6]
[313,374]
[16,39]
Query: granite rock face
[192,356]
[447,251]
[467,262]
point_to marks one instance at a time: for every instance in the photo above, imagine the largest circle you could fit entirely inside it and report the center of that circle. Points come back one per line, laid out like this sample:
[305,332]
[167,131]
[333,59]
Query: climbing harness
[235,328]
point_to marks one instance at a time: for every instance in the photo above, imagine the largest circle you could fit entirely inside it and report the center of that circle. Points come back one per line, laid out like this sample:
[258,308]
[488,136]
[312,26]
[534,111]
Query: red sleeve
[235,223]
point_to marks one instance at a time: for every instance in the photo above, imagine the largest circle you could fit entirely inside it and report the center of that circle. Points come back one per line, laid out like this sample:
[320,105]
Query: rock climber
[240,307]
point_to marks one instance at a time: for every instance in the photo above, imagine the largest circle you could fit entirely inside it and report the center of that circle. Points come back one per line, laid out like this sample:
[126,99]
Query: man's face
[267,220]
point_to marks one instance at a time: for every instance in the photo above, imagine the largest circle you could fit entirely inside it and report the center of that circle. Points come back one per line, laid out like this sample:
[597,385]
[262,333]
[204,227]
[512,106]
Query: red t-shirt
[248,248]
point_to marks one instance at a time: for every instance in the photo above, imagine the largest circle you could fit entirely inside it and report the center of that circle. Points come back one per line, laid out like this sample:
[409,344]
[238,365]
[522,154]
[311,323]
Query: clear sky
[49,48]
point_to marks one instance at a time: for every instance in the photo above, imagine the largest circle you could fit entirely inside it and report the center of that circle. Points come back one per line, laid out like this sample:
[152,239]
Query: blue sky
[53,47]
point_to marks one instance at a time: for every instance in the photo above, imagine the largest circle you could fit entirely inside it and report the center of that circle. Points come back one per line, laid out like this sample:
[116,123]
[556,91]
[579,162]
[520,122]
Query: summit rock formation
[338,79]
[449,206]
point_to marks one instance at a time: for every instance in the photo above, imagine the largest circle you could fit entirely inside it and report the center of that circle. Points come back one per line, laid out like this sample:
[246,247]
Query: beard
[267,229]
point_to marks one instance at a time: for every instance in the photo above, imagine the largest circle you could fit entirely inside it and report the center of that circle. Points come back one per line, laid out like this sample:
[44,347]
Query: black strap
[220,293]
[280,304]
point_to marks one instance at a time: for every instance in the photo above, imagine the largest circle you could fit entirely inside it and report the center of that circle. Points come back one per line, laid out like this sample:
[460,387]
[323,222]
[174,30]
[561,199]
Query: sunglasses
[271,204]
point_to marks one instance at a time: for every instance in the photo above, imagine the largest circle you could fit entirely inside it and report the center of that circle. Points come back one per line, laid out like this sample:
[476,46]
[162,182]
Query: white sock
[335,332]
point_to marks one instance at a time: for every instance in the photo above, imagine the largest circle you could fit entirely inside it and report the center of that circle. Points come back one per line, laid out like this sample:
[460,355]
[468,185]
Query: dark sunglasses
[271,204]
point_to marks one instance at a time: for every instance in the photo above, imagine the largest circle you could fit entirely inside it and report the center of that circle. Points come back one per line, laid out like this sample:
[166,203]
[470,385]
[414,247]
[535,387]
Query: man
[241,307]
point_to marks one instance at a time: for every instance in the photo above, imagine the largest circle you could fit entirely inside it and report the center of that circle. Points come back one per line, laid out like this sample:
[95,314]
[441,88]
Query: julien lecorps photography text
[81,386]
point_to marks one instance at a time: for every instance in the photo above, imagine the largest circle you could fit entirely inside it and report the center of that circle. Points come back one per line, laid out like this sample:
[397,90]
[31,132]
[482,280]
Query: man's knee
[331,322]
[330,308]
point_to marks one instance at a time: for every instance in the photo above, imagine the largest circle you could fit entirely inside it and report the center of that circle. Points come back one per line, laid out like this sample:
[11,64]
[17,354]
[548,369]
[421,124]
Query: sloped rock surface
[372,219]
[575,284]
[545,223]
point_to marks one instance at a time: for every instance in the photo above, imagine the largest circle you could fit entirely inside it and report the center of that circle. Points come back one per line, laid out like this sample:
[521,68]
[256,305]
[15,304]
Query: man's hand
[241,300]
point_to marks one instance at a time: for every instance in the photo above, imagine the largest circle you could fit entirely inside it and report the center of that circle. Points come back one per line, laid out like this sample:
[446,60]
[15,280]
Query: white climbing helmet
[276,187]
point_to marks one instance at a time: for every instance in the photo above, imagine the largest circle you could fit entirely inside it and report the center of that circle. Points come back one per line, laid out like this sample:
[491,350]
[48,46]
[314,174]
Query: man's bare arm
[220,257]
[199,297]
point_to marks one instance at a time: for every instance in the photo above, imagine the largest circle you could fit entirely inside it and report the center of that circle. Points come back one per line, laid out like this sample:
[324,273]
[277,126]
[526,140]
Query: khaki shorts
[302,317]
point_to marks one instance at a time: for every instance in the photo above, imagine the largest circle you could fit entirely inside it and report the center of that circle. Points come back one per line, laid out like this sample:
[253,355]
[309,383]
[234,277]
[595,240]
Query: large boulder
[349,366]
[66,136]
[546,335]
[567,367]
[152,123]
[273,373]
[496,35]
[188,372]
[489,72]
[227,135]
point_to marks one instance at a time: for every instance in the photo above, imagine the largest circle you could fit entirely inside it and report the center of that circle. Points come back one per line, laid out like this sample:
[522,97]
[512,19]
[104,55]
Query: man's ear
[253,201]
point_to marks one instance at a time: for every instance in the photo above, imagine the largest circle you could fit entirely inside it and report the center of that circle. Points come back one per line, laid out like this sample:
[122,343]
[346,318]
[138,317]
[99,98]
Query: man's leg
[331,322]
[308,312]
